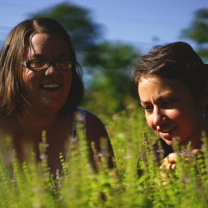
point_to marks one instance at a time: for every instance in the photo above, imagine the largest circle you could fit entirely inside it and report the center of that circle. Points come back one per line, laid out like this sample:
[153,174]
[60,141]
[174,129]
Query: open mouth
[50,86]
[168,130]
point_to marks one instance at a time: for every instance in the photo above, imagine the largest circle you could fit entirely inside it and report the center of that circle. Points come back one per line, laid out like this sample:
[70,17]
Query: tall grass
[77,185]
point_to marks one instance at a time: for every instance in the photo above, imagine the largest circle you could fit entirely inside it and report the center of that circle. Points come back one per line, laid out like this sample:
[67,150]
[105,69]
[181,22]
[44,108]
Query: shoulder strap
[79,116]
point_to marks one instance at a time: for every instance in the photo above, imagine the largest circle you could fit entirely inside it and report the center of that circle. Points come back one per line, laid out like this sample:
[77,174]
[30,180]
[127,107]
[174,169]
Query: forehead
[160,87]
[45,44]
[159,81]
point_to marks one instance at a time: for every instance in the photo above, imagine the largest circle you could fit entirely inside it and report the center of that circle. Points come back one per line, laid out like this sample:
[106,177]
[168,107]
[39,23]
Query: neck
[196,142]
[36,119]
[34,124]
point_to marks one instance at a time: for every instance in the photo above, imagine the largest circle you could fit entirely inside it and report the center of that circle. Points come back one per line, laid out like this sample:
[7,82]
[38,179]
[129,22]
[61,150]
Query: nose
[51,70]
[159,117]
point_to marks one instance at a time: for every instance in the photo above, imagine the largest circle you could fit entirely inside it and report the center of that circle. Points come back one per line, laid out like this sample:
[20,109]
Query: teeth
[167,130]
[50,86]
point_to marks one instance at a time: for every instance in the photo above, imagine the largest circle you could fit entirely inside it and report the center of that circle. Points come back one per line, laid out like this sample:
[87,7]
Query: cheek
[174,114]
[185,113]
[25,75]
[27,79]
[68,80]
[149,120]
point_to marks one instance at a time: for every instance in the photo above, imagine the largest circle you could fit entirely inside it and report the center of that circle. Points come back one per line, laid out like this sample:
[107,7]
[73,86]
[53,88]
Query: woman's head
[12,55]
[170,109]
[171,84]
[174,61]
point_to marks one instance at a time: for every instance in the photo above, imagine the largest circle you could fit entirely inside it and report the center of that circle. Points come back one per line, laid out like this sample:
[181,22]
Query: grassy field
[80,187]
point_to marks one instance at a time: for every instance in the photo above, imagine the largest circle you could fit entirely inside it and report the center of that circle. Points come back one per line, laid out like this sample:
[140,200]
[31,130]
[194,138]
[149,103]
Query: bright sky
[143,23]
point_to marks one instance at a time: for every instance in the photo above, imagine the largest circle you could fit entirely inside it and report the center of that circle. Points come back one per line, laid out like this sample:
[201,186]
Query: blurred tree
[111,89]
[107,63]
[85,33]
[198,32]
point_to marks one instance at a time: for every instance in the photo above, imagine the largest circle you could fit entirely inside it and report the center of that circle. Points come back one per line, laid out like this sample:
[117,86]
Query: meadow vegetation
[77,185]
[30,184]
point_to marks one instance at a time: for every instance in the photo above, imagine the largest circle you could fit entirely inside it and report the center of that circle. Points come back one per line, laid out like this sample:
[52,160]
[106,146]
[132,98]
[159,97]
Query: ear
[204,95]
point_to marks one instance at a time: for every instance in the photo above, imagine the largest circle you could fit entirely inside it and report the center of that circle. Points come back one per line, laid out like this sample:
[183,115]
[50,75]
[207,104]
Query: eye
[64,64]
[37,63]
[147,108]
[167,103]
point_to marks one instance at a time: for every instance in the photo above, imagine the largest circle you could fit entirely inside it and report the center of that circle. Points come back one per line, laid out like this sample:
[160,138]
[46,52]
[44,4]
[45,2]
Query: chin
[53,107]
[53,104]
[169,142]
[172,140]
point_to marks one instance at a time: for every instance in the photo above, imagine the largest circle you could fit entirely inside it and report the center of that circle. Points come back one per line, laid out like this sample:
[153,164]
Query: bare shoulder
[95,129]
[96,133]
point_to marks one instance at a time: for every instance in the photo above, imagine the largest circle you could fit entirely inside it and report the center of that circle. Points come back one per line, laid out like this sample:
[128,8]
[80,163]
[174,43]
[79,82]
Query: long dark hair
[12,53]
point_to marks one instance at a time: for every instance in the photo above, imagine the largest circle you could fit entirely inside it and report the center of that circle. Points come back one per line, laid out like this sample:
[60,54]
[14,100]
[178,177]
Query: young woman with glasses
[40,89]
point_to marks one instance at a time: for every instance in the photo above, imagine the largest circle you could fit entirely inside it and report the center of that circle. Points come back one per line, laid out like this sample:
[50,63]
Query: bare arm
[96,133]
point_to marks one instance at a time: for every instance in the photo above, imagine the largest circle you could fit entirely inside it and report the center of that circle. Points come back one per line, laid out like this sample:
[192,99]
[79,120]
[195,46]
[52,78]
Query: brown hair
[176,60]
[11,57]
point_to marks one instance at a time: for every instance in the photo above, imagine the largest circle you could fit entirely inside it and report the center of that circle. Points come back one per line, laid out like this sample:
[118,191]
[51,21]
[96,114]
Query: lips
[50,86]
[167,129]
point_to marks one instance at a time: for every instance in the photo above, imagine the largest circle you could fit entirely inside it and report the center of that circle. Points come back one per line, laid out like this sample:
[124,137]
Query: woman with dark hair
[173,90]
[40,89]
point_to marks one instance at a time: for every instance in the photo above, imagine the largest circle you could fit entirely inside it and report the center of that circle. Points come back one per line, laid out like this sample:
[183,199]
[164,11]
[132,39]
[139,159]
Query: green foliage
[198,32]
[111,90]
[198,29]
[77,185]
[77,21]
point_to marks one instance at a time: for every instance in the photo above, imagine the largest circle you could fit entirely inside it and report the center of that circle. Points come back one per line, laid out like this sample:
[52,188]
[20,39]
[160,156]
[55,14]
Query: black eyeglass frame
[27,64]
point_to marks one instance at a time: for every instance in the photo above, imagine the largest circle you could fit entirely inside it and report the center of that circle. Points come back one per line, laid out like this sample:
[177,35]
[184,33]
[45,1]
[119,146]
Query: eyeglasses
[65,65]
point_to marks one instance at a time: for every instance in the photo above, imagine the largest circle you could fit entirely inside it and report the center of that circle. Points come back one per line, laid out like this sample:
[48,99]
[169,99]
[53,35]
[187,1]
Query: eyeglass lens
[61,64]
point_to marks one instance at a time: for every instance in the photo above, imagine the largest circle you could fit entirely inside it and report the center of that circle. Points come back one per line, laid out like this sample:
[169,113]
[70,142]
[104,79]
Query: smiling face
[46,89]
[170,109]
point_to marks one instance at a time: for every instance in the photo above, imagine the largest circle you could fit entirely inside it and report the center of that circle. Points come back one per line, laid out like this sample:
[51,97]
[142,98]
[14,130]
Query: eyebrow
[143,102]
[42,55]
[162,97]
[63,55]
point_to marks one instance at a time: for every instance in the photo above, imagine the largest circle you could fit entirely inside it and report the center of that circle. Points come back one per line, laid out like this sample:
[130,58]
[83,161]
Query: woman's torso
[25,141]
